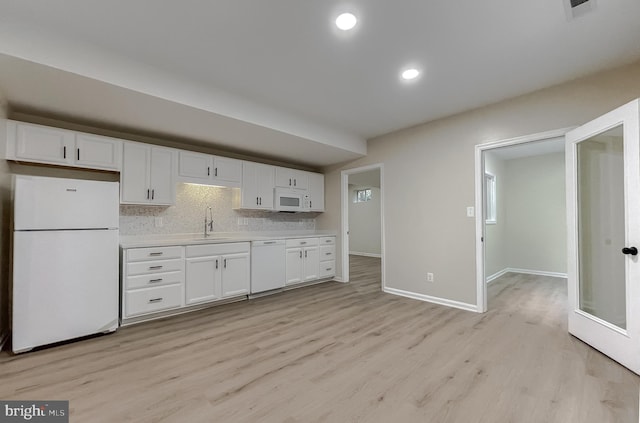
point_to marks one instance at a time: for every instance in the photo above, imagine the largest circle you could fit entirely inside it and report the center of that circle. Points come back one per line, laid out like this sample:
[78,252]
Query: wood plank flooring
[339,353]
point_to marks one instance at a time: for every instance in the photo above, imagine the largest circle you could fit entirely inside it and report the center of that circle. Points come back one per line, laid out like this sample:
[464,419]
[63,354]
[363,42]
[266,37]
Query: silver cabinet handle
[269,242]
[155,280]
[328,269]
[303,243]
[216,263]
[327,240]
[300,253]
[155,267]
[289,181]
[225,263]
[156,254]
[305,254]
[327,254]
[155,300]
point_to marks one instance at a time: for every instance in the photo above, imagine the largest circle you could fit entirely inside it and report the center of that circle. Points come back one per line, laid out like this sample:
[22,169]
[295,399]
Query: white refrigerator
[65,260]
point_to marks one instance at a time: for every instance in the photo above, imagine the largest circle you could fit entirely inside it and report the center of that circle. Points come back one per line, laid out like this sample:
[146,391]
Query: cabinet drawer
[327,240]
[155,253]
[327,268]
[150,300]
[302,242]
[149,280]
[206,250]
[327,252]
[155,266]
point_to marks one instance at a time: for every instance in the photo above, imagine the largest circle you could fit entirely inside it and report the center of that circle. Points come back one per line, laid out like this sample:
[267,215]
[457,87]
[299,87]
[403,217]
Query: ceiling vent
[578,8]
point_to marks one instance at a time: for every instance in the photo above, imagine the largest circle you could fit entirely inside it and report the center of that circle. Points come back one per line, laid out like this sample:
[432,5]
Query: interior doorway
[520,200]
[362,192]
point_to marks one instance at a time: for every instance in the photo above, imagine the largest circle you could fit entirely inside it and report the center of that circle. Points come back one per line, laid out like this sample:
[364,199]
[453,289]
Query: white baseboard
[537,272]
[524,271]
[430,299]
[496,275]
[337,279]
[357,253]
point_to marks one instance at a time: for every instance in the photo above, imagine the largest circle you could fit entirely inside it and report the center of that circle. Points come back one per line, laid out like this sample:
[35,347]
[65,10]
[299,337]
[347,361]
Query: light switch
[470,212]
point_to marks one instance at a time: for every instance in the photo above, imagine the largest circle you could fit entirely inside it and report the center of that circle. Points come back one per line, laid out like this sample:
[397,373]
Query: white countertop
[138,241]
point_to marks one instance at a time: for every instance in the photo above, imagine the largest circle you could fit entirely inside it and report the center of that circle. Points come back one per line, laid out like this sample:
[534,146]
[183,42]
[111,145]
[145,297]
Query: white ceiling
[280,71]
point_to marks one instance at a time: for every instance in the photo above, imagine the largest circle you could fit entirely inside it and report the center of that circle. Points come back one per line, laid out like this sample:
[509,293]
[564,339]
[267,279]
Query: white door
[311,263]
[603,206]
[202,279]
[134,178]
[235,274]
[294,266]
[161,172]
[98,152]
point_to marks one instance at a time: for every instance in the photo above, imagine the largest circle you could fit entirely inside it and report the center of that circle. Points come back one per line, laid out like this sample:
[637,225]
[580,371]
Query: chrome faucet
[208,222]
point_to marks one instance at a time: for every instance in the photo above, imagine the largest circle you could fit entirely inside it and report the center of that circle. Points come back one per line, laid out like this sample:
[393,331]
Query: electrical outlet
[158,222]
[429,277]
[470,212]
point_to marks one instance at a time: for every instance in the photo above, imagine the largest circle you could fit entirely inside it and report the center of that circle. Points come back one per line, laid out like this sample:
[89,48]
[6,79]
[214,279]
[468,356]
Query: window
[362,195]
[490,198]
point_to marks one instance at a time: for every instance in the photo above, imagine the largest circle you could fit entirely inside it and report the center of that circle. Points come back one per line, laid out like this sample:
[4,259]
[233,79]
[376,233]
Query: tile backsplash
[187,216]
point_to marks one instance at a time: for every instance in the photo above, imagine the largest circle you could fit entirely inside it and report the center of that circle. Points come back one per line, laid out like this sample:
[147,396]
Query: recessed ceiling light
[410,74]
[346,21]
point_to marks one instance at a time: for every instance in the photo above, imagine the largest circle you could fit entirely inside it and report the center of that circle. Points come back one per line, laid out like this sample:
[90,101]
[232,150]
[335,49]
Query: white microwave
[289,200]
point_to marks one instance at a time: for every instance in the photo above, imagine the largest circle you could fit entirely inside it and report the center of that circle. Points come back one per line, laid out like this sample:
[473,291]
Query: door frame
[344,195]
[480,149]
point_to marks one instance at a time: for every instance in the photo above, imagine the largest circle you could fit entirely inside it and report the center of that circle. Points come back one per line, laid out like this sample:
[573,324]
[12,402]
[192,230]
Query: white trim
[497,275]
[537,272]
[358,253]
[344,178]
[481,286]
[430,299]
[337,279]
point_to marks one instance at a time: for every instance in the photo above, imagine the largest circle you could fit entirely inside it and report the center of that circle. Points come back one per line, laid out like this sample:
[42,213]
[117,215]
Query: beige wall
[495,253]
[364,223]
[536,213]
[429,178]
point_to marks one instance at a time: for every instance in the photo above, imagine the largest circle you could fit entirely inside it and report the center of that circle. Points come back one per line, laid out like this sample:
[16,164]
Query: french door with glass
[603,210]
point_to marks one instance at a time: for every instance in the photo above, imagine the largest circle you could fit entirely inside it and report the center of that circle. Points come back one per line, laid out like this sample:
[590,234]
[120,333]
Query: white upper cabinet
[98,152]
[257,186]
[291,178]
[227,172]
[316,192]
[148,175]
[194,167]
[43,144]
[206,169]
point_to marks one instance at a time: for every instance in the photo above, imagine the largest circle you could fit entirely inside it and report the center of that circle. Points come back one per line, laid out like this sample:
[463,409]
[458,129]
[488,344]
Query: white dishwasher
[268,270]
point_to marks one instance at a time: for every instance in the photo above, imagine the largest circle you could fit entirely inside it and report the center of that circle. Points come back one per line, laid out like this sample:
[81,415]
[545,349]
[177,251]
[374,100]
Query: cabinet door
[202,282]
[228,171]
[249,187]
[235,275]
[195,166]
[291,178]
[43,144]
[311,263]
[163,190]
[294,265]
[257,186]
[316,191]
[98,152]
[134,178]
[266,184]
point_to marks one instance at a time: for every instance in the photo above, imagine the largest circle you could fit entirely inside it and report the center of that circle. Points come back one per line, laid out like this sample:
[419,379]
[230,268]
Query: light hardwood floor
[339,353]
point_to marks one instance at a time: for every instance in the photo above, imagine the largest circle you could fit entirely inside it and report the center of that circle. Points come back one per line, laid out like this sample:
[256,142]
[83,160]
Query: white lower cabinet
[327,257]
[216,271]
[302,260]
[152,281]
